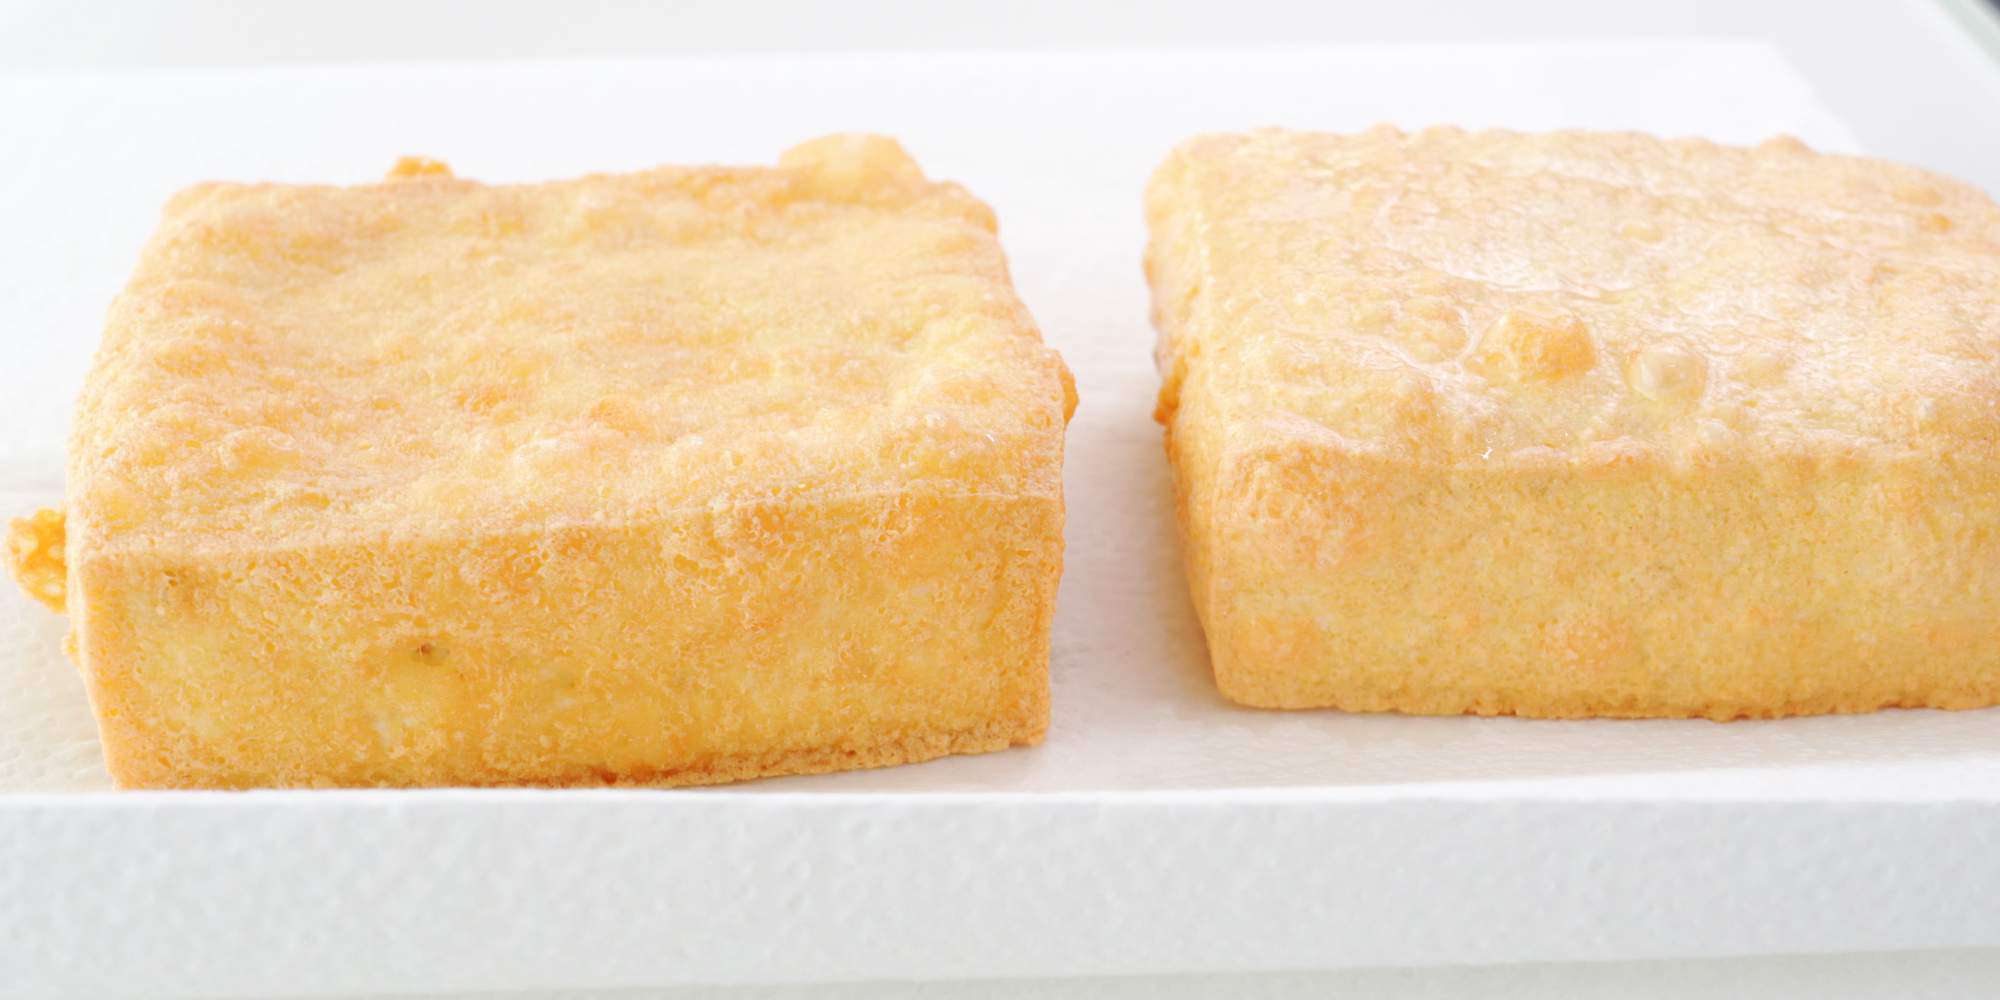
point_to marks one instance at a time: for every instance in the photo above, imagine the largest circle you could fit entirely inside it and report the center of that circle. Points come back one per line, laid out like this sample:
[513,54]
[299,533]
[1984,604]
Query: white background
[1905,74]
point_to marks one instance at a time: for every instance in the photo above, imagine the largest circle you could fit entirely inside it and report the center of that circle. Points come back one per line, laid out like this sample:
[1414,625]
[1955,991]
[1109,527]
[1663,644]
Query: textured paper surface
[1927,975]
[1126,844]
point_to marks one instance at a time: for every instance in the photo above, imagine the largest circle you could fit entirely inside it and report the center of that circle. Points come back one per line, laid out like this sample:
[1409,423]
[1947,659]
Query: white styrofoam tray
[1158,830]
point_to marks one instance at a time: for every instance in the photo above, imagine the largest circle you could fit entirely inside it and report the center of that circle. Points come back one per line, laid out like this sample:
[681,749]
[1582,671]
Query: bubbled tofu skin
[684,476]
[1579,424]
[35,556]
[1454,297]
[433,354]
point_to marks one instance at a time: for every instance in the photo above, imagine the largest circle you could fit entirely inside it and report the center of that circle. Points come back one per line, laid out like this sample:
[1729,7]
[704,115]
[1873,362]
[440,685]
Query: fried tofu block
[1581,424]
[674,477]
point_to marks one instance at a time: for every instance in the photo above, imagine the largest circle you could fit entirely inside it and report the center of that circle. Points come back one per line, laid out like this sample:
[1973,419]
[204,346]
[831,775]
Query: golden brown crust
[1491,298]
[419,166]
[300,365]
[755,632]
[35,556]
[664,478]
[1581,424]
